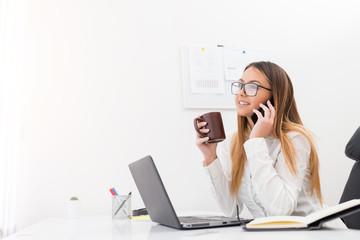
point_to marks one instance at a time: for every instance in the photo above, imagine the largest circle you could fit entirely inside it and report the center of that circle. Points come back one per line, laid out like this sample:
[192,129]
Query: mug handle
[196,120]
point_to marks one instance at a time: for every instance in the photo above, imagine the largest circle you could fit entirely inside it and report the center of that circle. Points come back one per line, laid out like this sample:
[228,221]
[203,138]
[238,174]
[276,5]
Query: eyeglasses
[250,89]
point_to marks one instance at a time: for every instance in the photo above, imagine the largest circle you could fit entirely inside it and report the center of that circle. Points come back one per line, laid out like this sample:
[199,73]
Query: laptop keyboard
[194,219]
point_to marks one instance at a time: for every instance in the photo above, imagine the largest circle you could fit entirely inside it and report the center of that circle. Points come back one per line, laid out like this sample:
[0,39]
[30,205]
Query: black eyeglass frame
[242,85]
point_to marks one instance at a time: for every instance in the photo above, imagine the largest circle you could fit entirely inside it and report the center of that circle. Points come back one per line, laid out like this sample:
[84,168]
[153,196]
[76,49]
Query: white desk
[105,228]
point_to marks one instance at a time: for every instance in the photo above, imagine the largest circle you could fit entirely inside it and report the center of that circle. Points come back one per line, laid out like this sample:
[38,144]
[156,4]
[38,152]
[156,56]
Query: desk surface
[105,228]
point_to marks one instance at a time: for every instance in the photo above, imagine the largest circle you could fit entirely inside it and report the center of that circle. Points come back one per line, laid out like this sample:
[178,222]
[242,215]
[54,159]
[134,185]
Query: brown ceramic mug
[214,124]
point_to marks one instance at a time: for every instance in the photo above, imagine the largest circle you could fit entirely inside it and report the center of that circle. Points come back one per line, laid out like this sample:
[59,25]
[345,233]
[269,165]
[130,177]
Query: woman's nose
[242,91]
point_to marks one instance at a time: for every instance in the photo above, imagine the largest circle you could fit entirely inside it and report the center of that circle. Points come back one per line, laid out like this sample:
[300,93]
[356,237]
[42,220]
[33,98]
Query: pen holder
[121,207]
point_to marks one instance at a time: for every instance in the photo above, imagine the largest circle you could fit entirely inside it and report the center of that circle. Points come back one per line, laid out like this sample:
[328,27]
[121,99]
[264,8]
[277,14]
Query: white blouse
[268,188]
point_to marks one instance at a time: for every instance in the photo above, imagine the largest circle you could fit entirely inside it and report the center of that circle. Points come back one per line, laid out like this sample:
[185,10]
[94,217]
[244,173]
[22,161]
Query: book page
[331,210]
[298,221]
[277,221]
[277,225]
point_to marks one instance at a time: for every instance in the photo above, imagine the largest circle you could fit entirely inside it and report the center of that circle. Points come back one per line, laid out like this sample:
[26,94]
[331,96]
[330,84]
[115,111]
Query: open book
[312,221]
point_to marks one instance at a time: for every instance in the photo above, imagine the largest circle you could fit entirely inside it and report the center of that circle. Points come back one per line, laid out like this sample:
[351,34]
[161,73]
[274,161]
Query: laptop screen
[153,193]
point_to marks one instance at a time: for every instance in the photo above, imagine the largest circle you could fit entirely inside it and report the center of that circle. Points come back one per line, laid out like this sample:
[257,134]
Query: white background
[101,87]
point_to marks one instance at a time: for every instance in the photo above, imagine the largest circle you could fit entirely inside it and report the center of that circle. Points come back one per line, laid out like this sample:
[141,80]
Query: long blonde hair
[287,119]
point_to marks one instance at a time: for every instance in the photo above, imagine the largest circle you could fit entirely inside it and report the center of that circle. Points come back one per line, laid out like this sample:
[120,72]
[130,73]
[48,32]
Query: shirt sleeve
[219,173]
[277,188]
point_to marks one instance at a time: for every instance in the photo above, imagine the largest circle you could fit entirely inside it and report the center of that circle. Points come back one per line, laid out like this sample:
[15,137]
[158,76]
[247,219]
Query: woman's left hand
[264,125]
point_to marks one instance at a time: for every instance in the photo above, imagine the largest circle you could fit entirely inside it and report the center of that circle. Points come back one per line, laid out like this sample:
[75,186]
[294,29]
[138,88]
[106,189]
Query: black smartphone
[254,117]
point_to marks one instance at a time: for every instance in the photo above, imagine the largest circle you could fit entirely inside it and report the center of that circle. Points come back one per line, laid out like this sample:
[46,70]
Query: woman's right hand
[208,150]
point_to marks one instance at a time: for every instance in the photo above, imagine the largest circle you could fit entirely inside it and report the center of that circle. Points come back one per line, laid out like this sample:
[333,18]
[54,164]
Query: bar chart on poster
[207,74]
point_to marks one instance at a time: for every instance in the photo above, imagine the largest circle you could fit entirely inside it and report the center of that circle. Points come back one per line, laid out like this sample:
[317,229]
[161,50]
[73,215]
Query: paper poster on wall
[209,71]
[235,61]
[206,73]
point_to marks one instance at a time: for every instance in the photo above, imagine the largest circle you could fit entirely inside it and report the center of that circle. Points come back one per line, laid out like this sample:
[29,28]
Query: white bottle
[74,207]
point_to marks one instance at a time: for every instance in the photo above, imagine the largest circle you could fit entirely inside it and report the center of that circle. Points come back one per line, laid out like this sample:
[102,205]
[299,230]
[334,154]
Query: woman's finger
[258,113]
[205,130]
[201,124]
[271,107]
[266,111]
[272,110]
[201,130]
[273,114]
[200,141]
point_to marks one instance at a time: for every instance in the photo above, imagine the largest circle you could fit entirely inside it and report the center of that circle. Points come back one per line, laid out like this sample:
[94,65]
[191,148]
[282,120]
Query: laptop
[158,204]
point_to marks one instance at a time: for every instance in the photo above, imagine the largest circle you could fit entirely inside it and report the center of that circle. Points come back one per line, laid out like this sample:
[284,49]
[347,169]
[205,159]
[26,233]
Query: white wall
[101,87]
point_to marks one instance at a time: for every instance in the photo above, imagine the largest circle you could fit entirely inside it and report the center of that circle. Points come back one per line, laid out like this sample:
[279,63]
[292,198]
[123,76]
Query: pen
[122,204]
[114,193]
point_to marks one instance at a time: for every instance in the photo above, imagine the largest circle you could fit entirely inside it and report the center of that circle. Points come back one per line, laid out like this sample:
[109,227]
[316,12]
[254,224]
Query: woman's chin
[242,113]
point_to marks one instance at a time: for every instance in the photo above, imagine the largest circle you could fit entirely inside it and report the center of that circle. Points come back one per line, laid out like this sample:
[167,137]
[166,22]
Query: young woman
[272,166]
